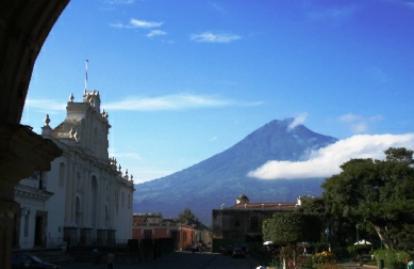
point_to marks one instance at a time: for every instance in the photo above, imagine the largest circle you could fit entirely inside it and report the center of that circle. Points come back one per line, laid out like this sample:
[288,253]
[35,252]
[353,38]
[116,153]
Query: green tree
[287,229]
[187,217]
[284,228]
[313,206]
[399,155]
[378,194]
[316,218]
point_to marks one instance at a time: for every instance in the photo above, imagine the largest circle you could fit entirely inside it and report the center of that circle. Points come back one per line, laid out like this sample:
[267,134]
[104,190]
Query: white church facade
[84,199]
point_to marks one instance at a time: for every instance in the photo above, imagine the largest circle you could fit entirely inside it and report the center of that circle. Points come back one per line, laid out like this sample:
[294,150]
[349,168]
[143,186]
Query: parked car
[195,248]
[227,250]
[238,252]
[28,261]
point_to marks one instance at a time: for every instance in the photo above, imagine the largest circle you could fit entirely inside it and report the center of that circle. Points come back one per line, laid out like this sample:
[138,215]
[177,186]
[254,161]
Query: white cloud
[174,102]
[326,161]
[217,7]
[359,127]
[137,24]
[126,155]
[119,25]
[358,123]
[155,33]
[349,117]
[406,3]
[45,105]
[120,2]
[409,4]
[148,175]
[336,14]
[378,74]
[210,37]
[156,103]
[298,120]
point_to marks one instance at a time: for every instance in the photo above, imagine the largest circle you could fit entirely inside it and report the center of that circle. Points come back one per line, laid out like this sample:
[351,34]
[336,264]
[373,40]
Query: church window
[94,197]
[107,219]
[26,224]
[78,181]
[78,212]
[95,135]
[116,202]
[61,174]
[129,201]
[42,181]
[236,223]
[254,224]
[147,234]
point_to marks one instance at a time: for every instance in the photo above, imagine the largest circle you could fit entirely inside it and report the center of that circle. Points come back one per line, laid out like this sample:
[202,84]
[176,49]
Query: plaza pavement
[180,260]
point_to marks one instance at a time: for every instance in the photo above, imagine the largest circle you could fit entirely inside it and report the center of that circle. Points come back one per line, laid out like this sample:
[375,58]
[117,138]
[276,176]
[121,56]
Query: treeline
[370,199]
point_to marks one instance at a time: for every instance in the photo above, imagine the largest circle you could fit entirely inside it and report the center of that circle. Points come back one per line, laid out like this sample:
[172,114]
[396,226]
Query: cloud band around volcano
[326,161]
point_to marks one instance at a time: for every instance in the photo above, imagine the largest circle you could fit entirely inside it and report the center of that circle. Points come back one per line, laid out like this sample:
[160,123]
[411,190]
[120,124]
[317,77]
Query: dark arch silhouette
[24,26]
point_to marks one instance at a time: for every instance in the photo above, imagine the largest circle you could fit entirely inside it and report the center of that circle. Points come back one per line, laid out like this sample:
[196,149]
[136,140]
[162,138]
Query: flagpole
[86,74]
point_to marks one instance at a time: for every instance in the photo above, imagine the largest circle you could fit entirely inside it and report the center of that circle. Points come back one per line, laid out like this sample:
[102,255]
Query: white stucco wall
[56,204]
[83,138]
[28,207]
[123,223]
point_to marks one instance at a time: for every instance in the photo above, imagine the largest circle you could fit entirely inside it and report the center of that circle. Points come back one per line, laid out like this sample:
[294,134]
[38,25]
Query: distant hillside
[220,179]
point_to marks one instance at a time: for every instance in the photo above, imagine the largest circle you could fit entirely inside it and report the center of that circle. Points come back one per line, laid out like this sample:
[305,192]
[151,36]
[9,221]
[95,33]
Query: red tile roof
[270,206]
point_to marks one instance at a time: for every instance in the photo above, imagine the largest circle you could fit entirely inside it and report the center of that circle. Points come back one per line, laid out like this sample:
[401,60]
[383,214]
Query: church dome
[242,199]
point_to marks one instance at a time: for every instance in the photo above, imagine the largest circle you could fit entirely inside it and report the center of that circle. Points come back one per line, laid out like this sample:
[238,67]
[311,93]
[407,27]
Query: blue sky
[183,80]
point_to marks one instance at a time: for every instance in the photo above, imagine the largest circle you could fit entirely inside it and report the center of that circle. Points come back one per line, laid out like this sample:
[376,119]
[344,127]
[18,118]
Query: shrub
[275,262]
[305,261]
[320,246]
[328,266]
[323,257]
[355,250]
[393,259]
[341,253]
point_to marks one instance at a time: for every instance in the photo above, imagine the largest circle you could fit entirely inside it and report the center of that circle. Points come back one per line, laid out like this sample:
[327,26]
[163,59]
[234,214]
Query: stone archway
[24,26]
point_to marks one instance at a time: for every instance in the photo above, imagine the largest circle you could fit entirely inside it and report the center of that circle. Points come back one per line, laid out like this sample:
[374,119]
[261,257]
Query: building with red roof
[242,222]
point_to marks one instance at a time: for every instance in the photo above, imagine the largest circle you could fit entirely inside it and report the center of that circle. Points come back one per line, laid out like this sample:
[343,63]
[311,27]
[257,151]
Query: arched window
[107,218]
[42,181]
[94,197]
[236,223]
[26,213]
[116,201]
[254,224]
[78,181]
[95,136]
[62,174]
[78,212]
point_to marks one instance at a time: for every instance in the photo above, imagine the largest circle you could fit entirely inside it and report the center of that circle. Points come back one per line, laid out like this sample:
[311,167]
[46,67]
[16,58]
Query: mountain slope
[222,177]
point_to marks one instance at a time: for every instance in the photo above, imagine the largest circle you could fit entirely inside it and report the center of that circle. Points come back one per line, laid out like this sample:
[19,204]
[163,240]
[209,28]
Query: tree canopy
[291,227]
[283,229]
[380,193]
[187,217]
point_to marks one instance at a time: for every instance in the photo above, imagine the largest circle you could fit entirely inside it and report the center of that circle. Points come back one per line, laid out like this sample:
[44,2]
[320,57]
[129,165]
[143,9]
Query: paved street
[182,261]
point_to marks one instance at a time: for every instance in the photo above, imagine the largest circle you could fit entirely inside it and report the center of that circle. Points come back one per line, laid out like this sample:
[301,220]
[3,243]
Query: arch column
[24,26]
[8,211]
[21,153]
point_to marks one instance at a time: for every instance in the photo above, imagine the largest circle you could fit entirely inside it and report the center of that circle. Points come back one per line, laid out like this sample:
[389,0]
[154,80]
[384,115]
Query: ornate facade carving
[84,192]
